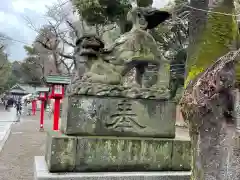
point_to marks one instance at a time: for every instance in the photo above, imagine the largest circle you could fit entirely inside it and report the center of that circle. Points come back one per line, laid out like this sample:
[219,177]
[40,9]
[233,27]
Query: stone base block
[96,154]
[41,173]
[118,116]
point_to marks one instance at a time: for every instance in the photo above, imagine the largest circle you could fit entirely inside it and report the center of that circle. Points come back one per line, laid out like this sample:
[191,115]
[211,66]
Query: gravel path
[25,142]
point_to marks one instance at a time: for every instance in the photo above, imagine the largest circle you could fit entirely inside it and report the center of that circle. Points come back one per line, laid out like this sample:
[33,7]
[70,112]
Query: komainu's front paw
[87,76]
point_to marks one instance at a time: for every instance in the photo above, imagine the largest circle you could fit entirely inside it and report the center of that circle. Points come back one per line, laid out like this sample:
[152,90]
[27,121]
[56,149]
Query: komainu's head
[88,45]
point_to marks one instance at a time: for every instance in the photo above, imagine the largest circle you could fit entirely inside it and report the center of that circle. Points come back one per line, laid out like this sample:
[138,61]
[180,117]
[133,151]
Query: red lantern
[57,84]
[57,91]
[42,96]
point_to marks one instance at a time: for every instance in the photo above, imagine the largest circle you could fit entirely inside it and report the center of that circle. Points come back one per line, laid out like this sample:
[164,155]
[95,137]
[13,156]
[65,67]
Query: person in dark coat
[10,103]
[18,106]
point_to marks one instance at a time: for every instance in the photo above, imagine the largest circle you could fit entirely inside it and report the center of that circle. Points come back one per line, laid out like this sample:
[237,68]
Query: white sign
[42,95]
[58,89]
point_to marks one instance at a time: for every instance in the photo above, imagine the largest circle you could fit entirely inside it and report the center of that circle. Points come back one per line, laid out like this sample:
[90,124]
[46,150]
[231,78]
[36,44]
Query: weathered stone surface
[135,49]
[181,157]
[95,115]
[92,153]
[41,173]
[97,89]
[60,152]
[123,154]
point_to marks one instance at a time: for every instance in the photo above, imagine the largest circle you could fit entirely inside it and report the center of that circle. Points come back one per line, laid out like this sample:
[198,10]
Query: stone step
[41,173]
[94,153]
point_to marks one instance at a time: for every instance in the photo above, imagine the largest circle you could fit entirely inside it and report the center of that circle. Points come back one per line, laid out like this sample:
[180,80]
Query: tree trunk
[207,98]
[214,136]
[211,35]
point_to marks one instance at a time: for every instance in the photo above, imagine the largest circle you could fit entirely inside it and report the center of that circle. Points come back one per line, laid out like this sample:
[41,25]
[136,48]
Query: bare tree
[59,35]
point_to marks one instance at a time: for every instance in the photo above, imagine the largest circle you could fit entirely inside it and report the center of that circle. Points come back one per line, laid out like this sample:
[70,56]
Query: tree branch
[73,28]
[50,49]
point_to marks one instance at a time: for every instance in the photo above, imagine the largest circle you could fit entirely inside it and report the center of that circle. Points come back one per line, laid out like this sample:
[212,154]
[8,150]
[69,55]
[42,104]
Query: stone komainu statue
[134,49]
[101,114]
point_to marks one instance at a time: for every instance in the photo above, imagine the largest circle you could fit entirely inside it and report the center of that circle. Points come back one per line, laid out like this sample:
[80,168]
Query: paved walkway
[25,142]
[6,120]
[5,128]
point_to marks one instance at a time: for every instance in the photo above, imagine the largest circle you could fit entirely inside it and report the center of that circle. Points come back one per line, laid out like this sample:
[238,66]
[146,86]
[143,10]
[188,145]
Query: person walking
[25,110]
[29,107]
[9,104]
[5,104]
[18,106]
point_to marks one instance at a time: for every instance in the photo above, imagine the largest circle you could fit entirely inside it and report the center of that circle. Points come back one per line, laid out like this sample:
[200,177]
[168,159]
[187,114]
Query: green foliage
[6,75]
[26,72]
[91,11]
[5,71]
[30,69]
[11,80]
[106,11]
[102,11]
[216,40]
[29,50]
[31,72]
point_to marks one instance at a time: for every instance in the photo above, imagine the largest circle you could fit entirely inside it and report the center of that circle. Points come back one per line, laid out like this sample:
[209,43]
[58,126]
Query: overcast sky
[12,23]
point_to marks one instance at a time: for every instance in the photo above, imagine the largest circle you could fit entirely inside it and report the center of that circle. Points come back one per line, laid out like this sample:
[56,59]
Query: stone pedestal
[108,153]
[117,129]
[104,116]
[98,110]
[41,173]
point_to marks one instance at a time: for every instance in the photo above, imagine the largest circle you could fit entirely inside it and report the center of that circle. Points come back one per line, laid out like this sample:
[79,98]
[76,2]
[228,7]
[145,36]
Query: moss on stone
[60,152]
[181,157]
[106,153]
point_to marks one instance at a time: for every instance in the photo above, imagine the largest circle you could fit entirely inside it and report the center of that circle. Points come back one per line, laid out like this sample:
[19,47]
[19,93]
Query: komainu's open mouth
[90,46]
